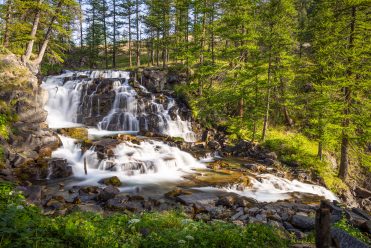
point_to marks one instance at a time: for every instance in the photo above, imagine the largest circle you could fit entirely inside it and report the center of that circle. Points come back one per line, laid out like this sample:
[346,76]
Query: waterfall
[106,100]
[150,160]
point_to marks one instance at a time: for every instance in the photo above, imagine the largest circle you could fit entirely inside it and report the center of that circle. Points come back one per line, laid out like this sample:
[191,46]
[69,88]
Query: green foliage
[22,225]
[296,149]
[343,224]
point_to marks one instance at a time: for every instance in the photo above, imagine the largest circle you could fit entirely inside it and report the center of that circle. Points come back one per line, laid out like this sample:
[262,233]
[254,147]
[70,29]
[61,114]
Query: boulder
[122,204]
[197,198]
[227,200]
[59,168]
[108,193]
[342,239]
[33,194]
[302,222]
[113,181]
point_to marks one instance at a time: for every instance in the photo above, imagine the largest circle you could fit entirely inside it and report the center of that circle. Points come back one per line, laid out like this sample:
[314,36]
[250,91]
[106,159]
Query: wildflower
[181,242]
[20,207]
[133,221]
[189,237]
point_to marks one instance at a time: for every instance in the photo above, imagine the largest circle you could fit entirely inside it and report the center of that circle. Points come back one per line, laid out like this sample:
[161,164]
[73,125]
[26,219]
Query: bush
[24,226]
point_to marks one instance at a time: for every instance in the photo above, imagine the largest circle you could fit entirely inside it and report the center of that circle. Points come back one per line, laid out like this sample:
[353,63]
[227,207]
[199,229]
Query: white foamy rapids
[270,188]
[63,102]
[149,162]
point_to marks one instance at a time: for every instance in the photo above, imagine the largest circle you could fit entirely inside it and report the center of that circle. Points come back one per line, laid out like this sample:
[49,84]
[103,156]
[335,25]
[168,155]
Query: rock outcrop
[28,137]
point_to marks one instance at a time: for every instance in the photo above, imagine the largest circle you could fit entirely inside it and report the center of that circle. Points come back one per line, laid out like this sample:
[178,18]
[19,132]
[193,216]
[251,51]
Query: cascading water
[149,161]
[105,99]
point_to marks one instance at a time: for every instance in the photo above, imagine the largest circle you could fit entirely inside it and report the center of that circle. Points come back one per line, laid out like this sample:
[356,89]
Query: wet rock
[59,168]
[119,204]
[227,200]
[108,193]
[55,204]
[245,202]
[113,181]
[342,239]
[237,215]
[177,192]
[89,190]
[213,145]
[252,211]
[198,198]
[302,222]
[104,146]
[33,194]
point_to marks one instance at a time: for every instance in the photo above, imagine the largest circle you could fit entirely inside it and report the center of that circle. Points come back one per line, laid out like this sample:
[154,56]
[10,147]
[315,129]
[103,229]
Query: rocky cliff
[25,138]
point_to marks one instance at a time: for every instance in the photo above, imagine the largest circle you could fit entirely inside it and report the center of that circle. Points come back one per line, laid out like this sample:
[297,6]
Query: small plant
[344,225]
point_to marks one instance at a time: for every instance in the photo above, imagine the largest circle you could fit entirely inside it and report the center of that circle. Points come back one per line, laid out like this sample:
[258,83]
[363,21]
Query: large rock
[198,198]
[108,193]
[302,222]
[59,168]
[113,181]
[342,239]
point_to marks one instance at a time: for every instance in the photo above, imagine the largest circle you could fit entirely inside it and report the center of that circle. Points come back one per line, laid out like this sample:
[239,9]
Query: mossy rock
[114,181]
[219,178]
[130,138]
[177,192]
[79,133]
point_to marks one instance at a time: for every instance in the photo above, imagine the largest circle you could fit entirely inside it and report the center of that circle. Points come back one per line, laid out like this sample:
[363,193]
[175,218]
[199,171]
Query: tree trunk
[35,26]
[212,34]
[81,32]
[138,41]
[241,106]
[105,34]
[203,34]
[130,49]
[157,48]
[267,99]
[48,35]
[344,157]
[8,19]
[114,36]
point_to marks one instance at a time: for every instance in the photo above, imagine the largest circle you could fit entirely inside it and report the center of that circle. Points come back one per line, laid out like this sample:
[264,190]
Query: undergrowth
[24,226]
[295,149]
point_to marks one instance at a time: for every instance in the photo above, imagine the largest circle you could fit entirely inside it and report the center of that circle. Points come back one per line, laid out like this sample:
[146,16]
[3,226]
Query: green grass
[292,147]
[343,224]
[25,226]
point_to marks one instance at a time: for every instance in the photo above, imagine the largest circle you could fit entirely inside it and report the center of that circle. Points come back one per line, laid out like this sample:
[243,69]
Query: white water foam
[270,188]
[148,162]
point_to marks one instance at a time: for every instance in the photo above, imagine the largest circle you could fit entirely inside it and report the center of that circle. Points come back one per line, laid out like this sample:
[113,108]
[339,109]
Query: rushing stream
[107,104]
